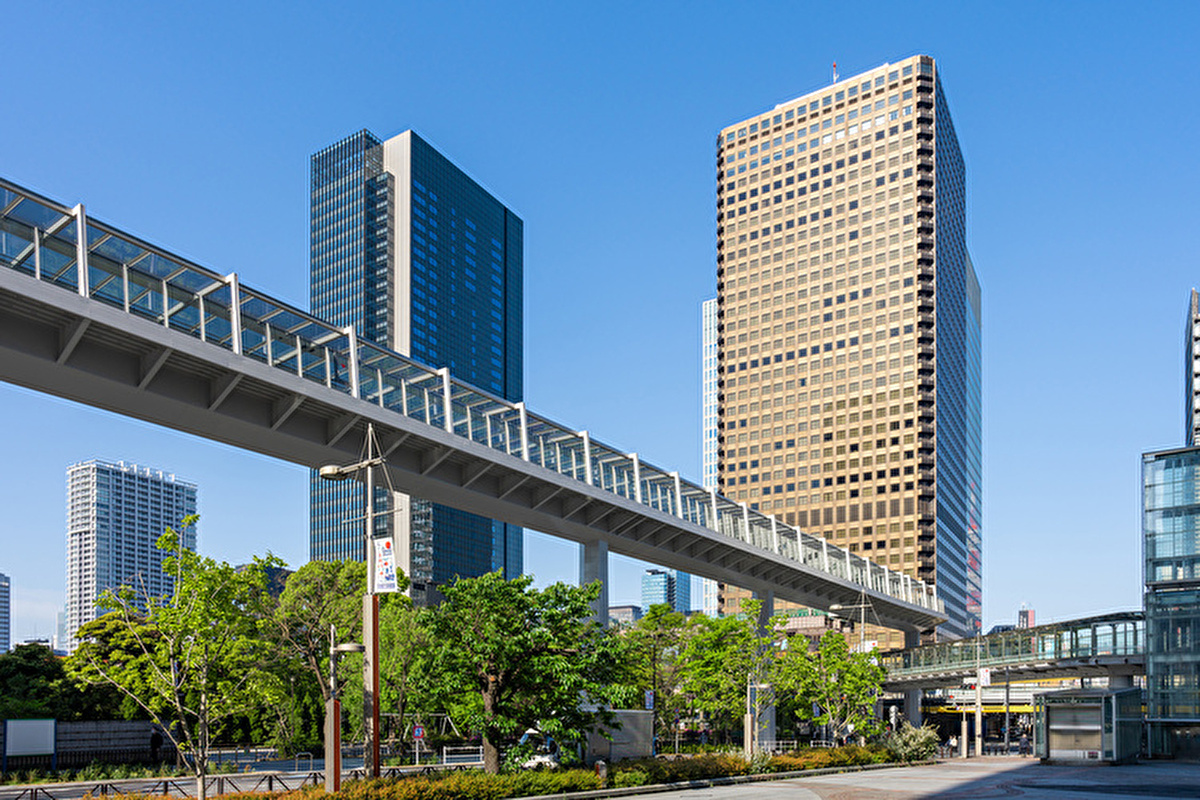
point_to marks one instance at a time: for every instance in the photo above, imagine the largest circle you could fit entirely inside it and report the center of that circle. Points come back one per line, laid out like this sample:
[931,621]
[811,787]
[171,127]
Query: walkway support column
[593,566]
[912,697]
[764,729]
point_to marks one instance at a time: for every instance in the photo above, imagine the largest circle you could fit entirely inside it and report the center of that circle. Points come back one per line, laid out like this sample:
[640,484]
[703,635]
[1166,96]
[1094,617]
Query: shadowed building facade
[849,329]
[418,257]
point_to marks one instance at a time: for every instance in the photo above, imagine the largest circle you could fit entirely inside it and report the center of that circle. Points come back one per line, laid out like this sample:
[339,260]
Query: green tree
[34,684]
[406,670]
[653,652]
[316,596]
[192,660]
[516,658]
[721,657]
[833,685]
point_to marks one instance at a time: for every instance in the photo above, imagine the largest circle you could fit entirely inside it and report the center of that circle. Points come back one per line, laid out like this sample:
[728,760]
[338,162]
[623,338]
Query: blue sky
[191,125]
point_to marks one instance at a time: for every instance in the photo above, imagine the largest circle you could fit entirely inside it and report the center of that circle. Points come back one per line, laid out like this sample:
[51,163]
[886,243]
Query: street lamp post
[370,645]
[333,714]
[861,606]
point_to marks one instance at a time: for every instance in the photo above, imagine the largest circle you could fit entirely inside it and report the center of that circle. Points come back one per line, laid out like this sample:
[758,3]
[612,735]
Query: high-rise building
[1025,617]
[5,613]
[666,586]
[849,329]
[1171,560]
[709,426]
[115,514]
[1191,370]
[419,258]
[1171,553]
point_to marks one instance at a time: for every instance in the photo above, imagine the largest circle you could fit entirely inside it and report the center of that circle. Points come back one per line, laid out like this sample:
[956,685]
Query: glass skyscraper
[849,329]
[666,586]
[418,257]
[115,514]
[1171,555]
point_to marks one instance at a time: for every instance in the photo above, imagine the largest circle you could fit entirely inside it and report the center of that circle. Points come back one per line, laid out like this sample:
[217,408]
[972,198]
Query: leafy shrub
[629,777]
[713,765]
[821,758]
[913,744]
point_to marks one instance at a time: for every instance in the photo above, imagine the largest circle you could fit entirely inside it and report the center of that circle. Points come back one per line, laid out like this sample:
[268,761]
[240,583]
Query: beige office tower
[849,338]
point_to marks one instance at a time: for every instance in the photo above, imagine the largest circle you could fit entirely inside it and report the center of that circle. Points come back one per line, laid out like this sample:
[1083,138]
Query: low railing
[468,755]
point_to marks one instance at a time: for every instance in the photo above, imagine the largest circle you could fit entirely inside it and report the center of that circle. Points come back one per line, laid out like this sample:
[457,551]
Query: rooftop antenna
[835,72]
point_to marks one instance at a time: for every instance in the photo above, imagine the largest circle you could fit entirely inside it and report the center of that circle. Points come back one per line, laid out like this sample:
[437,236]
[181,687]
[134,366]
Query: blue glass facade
[466,314]
[667,586]
[351,284]
[959,445]
[417,256]
[1171,558]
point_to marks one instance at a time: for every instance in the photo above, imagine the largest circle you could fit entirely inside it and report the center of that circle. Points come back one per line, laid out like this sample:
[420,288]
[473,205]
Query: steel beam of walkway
[147,334]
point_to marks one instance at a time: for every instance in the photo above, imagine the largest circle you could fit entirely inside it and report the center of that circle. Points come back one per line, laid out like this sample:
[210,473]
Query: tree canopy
[523,658]
[190,660]
[834,686]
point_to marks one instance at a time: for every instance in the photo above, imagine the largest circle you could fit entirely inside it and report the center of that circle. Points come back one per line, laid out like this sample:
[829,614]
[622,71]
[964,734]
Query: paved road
[976,778]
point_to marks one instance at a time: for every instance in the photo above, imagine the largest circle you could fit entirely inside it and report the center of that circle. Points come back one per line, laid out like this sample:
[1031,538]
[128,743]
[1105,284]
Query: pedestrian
[1024,745]
[953,743]
[156,741]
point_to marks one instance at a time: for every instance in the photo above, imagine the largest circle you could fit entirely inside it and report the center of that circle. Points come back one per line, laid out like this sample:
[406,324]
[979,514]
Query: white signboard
[385,565]
[29,737]
[985,676]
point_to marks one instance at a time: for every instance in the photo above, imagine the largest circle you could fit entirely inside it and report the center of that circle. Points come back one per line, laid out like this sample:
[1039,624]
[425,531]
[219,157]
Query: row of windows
[860,90]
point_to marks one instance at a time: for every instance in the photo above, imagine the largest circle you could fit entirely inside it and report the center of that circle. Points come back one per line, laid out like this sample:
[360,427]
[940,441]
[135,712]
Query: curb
[708,783]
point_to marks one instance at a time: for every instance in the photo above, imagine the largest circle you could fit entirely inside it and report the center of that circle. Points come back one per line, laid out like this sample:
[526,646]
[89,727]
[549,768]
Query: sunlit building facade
[116,513]
[849,329]
[418,257]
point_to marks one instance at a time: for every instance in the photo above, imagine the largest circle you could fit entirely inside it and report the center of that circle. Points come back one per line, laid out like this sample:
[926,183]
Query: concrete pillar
[1120,681]
[912,697]
[765,731]
[593,566]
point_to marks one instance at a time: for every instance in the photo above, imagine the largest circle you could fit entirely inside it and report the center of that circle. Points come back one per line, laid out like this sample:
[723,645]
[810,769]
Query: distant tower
[418,257]
[1025,617]
[666,586]
[5,613]
[115,514]
[850,329]
[1191,367]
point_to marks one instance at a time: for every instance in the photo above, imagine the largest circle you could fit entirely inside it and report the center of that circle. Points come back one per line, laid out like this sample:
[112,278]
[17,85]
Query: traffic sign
[418,732]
